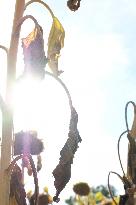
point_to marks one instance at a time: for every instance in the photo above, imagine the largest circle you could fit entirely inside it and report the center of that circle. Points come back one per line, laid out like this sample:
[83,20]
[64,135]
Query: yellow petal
[45,189]
[99,196]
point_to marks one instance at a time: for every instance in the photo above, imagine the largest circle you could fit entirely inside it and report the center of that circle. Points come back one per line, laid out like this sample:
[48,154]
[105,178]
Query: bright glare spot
[43,106]
[26,99]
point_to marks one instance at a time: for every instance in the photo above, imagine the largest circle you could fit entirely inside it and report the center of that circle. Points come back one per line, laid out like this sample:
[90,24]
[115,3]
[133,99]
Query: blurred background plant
[86,195]
[44,198]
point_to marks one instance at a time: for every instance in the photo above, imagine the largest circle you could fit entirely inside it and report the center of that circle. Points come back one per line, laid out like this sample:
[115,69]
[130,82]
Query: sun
[43,107]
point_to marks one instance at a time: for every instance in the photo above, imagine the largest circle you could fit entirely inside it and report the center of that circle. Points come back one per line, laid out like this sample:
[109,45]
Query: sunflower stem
[7,125]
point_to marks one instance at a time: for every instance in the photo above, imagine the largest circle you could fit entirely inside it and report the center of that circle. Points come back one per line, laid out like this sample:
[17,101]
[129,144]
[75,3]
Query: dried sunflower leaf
[55,44]
[17,190]
[62,172]
[71,145]
[34,55]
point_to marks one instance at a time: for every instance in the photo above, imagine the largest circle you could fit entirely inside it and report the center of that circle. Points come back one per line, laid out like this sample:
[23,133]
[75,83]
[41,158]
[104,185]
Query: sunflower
[81,189]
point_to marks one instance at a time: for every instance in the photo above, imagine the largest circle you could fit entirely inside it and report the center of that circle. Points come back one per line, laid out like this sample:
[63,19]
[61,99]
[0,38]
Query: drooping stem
[4,48]
[21,21]
[11,167]
[64,86]
[41,2]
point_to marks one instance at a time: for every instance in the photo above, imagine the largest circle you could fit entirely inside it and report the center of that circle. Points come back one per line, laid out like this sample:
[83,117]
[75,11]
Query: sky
[99,62]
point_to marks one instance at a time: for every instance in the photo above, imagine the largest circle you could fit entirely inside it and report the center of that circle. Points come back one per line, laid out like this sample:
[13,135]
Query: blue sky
[99,62]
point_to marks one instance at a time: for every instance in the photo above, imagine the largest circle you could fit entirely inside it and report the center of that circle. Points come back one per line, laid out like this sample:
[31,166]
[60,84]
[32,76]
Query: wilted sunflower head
[44,199]
[34,145]
[81,189]
[73,5]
